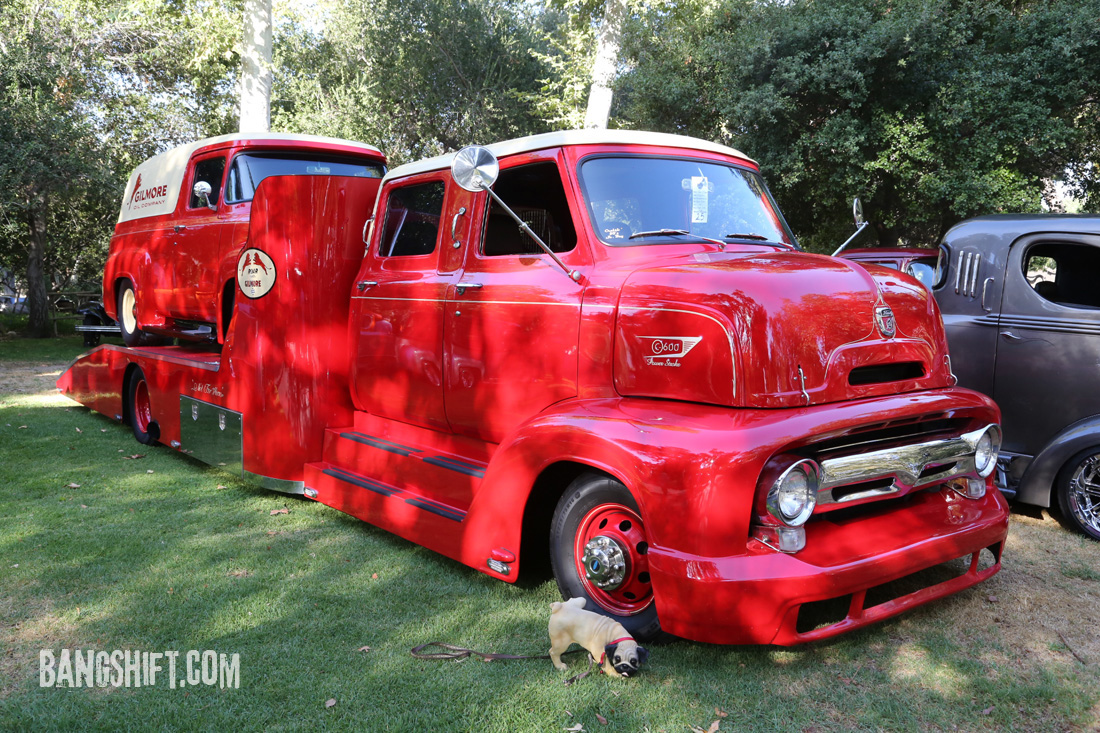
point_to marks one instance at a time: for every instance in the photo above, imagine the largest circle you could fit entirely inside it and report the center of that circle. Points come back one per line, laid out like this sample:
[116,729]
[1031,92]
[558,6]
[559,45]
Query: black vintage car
[1020,297]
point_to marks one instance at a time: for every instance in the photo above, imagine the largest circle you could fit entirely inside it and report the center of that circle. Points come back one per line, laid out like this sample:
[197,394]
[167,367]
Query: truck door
[1048,356]
[968,296]
[397,306]
[513,316]
[195,244]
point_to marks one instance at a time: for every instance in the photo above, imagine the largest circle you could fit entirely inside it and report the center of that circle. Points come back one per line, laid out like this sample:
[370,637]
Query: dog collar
[612,643]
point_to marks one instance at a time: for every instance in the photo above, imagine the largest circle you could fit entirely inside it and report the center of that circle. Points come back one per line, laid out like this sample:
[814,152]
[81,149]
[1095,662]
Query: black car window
[535,193]
[210,171]
[1064,273]
[411,226]
[249,169]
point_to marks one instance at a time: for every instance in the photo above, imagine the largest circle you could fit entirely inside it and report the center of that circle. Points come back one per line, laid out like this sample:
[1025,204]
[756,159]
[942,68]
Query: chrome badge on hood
[668,350]
[884,320]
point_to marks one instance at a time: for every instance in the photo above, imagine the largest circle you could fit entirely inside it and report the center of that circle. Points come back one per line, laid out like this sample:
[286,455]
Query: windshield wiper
[759,237]
[676,232]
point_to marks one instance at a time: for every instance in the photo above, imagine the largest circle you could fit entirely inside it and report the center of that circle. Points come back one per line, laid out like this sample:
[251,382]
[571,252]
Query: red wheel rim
[143,411]
[623,528]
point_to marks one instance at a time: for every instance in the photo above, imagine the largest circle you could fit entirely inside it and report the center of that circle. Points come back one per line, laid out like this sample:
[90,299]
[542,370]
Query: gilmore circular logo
[255,273]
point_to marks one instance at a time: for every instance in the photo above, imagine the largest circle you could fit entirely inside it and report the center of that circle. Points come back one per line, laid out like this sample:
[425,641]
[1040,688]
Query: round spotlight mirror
[857,211]
[475,168]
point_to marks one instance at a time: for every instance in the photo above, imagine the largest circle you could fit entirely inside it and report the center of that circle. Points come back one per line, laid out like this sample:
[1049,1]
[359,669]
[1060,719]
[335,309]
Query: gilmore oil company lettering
[668,350]
[255,273]
[141,198]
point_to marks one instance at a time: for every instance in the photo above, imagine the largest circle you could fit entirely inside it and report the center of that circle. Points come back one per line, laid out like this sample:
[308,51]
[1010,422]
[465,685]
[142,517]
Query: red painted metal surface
[444,395]
[181,262]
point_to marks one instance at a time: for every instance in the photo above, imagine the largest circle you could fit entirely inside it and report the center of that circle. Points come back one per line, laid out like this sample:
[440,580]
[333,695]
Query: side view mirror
[475,168]
[202,191]
[861,224]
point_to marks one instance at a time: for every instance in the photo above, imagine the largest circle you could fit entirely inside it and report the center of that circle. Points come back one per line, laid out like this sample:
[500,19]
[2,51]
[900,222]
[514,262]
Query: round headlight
[793,496]
[985,453]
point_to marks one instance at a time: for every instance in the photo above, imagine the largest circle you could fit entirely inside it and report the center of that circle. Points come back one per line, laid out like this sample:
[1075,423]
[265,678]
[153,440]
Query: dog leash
[458,652]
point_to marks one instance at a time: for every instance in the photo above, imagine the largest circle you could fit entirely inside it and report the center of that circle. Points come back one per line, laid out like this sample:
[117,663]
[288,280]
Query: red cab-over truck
[604,347]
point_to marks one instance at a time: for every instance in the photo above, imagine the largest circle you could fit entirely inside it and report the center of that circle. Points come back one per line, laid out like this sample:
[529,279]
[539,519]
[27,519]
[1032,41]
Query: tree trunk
[603,70]
[37,302]
[256,67]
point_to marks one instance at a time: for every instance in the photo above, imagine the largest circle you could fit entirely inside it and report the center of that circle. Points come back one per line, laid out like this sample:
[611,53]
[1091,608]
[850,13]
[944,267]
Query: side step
[437,508]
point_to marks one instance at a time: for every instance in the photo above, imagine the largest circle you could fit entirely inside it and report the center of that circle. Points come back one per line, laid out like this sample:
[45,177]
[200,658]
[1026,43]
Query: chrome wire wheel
[1079,491]
[1084,493]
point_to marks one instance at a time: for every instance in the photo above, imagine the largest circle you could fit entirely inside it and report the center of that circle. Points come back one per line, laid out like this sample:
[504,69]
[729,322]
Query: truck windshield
[249,169]
[637,200]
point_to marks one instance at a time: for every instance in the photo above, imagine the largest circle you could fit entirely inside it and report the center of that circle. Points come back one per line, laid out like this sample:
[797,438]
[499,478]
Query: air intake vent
[882,373]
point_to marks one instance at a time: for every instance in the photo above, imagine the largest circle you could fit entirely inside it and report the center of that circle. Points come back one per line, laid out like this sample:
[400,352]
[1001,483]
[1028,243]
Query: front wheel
[139,410]
[598,550]
[1079,491]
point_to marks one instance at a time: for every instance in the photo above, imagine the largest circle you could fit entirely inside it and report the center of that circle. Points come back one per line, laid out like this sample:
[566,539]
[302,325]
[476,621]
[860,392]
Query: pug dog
[606,640]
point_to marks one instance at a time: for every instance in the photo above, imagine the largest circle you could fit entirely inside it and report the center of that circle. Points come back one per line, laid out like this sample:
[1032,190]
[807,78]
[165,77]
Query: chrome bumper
[905,467]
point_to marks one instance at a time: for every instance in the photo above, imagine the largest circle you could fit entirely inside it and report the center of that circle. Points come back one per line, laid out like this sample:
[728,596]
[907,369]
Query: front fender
[1037,484]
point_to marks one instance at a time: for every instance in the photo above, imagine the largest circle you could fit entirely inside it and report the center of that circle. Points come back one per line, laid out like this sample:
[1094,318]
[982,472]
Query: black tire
[590,497]
[127,322]
[1078,486]
[139,412]
[91,338]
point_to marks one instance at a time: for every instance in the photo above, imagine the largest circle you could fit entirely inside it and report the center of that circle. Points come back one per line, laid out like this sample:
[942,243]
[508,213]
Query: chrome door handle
[1011,336]
[464,286]
[454,227]
[178,228]
[366,225]
[985,286]
[364,284]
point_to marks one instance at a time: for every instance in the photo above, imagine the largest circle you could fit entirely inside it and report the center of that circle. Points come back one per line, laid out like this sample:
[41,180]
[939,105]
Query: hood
[780,329]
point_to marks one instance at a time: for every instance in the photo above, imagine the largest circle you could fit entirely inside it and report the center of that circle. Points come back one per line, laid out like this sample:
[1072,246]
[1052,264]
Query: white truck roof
[154,186]
[573,137]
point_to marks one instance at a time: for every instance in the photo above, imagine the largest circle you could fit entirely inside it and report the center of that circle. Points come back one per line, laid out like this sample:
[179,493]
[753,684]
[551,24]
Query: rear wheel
[139,410]
[127,319]
[1079,491]
[598,550]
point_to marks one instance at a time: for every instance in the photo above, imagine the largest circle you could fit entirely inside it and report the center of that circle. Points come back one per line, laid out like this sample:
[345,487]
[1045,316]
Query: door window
[535,193]
[1064,273]
[411,226]
[210,171]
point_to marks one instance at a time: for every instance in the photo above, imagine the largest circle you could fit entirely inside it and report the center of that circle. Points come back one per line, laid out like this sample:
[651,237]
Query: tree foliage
[930,110]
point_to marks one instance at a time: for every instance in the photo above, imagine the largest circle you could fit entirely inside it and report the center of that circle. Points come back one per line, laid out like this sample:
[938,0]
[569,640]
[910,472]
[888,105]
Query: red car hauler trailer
[601,345]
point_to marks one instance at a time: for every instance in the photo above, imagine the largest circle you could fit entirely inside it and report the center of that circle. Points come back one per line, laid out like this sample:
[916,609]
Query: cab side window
[535,192]
[209,170]
[1064,273]
[411,226]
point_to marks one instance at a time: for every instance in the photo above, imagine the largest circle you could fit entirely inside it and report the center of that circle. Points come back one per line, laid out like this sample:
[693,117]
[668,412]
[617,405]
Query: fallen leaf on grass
[239,573]
[992,599]
[83,506]
[284,510]
[988,710]
[22,427]
[220,487]
[103,430]
[364,649]
[601,718]
[712,728]
[576,728]
[134,457]
[79,430]
[569,713]
[330,702]
[721,713]
[374,576]
[73,486]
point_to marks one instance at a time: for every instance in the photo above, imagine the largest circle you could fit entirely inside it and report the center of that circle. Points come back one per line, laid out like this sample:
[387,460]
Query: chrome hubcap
[1085,492]
[604,563]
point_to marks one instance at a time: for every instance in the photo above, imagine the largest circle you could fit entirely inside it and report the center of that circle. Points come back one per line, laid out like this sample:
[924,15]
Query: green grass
[162,553]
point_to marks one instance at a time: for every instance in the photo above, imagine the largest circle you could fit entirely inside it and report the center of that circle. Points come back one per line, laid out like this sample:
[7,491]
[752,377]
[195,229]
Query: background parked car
[1020,297]
[920,262]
